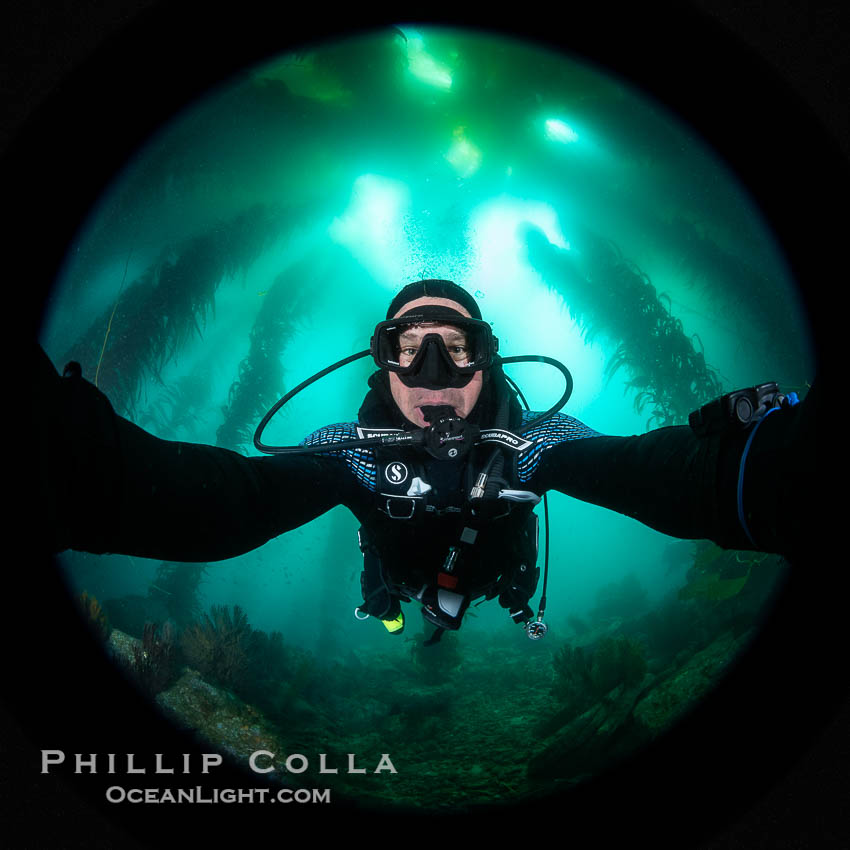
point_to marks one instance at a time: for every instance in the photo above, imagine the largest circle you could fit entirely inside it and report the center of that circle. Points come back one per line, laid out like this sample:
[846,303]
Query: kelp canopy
[429,153]
[609,296]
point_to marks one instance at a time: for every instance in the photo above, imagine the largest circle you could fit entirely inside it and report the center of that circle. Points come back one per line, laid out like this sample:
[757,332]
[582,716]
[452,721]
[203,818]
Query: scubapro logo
[396,473]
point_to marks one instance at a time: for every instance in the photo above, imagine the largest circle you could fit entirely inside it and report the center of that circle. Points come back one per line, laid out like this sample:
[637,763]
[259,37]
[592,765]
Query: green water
[323,181]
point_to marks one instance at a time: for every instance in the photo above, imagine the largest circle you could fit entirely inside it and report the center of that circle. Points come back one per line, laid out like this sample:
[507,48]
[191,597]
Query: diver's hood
[379,409]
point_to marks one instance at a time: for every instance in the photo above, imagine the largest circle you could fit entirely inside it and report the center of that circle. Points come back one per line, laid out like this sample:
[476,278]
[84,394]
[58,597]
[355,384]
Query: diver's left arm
[688,486]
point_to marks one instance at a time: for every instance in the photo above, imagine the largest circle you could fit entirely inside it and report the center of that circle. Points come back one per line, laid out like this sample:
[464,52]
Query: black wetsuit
[106,485]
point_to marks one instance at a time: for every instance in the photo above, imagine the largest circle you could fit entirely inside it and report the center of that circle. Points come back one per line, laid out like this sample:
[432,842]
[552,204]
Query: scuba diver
[443,469]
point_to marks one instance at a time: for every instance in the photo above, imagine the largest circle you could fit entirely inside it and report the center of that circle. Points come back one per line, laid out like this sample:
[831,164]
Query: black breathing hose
[408,438]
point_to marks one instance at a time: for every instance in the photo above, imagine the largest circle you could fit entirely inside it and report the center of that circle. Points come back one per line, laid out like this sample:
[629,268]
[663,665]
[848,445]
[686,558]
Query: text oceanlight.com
[117,794]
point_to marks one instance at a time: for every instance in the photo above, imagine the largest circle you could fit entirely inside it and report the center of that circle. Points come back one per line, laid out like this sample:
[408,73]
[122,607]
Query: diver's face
[411,399]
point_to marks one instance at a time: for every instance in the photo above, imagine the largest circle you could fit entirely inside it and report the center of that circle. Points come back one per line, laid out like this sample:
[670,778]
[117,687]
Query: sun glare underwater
[259,237]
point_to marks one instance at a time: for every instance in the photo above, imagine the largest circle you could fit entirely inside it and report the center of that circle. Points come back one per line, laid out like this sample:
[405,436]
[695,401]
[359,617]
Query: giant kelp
[260,374]
[607,295]
[155,315]
[176,586]
[288,309]
[182,408]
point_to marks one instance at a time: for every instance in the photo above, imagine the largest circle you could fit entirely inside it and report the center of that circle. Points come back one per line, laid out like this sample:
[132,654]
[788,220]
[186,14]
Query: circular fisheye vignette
[555,132]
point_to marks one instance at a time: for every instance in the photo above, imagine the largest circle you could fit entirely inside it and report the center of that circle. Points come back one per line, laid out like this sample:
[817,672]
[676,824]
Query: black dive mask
[446,358]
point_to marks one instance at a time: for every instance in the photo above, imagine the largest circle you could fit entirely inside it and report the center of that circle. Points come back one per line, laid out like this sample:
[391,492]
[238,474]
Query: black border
[134,64]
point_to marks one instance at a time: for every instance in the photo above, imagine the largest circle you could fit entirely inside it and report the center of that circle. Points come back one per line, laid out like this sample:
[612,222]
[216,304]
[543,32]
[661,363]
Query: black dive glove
[767,470]
[517,591]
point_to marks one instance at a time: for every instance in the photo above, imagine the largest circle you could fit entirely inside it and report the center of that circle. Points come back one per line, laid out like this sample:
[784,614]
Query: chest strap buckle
[400,507]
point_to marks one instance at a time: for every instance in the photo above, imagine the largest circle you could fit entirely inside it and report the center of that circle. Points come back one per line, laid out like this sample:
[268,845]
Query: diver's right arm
[106,485]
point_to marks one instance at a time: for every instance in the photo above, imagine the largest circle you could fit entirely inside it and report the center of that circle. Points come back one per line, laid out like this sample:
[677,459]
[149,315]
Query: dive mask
[434,347]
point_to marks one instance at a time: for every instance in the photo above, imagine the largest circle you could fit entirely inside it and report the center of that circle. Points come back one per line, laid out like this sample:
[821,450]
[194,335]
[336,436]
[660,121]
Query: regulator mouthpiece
[448,436]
